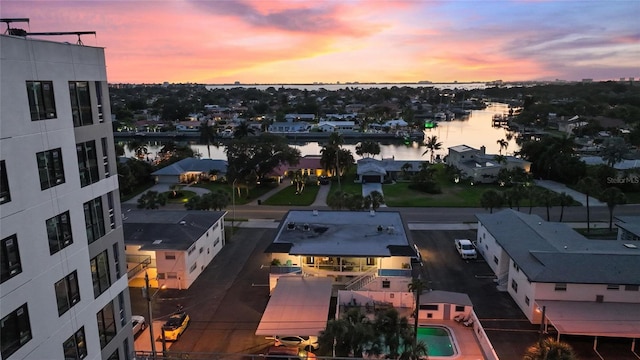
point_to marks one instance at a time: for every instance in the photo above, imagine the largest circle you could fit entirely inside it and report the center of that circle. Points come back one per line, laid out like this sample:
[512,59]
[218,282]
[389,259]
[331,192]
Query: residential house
[189,170]
[290,127]
[299,117]
[189,126]
[378,171]
[309,165]
[480,167]
[175,245]
[337,126]
[557,276]
[63,289]
[629,229]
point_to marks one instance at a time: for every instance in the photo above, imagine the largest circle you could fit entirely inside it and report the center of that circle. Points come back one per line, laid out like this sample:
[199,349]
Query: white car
[138,324]
[303,342]
[466,249]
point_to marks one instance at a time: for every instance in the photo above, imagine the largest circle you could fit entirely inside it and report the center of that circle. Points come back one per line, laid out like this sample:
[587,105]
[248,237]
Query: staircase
[362,280]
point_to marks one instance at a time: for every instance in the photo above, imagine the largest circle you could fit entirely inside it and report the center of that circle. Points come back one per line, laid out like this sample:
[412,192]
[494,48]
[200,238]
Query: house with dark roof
[309,165]
[557,276]
[629,229]
[189,170]
[357,250]
[175,245]
[481,167]
[378,171]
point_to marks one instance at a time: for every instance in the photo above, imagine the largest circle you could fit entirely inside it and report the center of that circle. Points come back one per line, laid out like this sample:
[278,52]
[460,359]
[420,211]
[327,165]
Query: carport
[298,306]
[590,318]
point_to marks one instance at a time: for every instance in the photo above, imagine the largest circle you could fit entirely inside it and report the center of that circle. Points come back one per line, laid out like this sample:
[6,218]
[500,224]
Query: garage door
[371,178]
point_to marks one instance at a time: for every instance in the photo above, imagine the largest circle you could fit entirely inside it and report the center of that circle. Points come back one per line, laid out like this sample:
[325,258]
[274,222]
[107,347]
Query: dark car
[323,180]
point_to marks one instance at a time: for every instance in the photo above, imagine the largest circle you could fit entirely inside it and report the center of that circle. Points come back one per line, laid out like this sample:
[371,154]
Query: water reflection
[474,130]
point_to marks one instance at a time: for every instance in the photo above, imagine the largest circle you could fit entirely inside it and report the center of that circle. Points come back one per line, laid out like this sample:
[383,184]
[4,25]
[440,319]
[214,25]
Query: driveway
[576,195]
[160,188]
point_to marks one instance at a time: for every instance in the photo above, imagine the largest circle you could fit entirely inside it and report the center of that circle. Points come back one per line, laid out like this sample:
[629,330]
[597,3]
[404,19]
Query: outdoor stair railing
[141,261]
[362,280]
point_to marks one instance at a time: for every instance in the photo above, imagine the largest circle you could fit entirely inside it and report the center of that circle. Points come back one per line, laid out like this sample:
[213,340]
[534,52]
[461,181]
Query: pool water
[438,340]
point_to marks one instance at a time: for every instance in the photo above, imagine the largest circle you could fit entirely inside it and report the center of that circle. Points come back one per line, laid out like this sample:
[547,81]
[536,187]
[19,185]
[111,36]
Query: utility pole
[149,298]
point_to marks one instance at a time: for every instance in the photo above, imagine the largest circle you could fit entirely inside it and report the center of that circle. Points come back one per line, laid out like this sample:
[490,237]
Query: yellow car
[175,326]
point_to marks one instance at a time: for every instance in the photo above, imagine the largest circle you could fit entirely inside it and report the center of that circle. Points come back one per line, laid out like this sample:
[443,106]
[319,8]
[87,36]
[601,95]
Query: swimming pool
[439,340]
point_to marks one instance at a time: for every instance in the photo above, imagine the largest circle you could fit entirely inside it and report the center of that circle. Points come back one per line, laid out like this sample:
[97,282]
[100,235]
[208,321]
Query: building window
[99,101]
[42,104]
[50,168]
[105,156]
[112,214]
[613,287]
[560,287]
[430,307]
[100,273]
[5,194]
[215,243]
[87,163]
[80,103]
[121,309]
[526,300]
[75,347]
[459,308]
[15,331]
[201,250]
[114,356]
[386,284]
[514,285]
[193,267]
[94,219]
[116,260]
[495,260]
[59,232]
[191,249]
[371,261]
[106,324]
[10,258]
[631,287]
[172,275]
[67,292]
[169,256]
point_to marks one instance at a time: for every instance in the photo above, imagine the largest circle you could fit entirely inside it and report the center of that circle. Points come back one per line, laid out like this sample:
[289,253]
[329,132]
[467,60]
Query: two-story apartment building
[583,286]
[63,290]
[175,245]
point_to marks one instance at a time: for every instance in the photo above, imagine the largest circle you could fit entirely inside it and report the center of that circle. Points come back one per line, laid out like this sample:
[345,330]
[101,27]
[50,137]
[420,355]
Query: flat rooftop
[342,233]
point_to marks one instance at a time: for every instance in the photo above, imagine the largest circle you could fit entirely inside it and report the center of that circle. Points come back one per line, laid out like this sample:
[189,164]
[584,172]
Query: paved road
[562,188]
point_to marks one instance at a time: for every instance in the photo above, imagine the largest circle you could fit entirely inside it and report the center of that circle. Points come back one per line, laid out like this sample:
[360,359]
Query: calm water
[475,130]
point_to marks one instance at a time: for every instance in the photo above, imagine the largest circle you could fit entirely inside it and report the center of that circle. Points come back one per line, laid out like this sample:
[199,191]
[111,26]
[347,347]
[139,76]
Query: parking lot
[227,301]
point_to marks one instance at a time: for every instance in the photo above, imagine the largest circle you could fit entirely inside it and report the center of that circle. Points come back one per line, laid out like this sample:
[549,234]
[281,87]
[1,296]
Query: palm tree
[613,196]
[373,200]
[392,328]
[588,185]
[564,199]
[491,199]
[416,286]
[549,198]
[207,136]
[504,144]
[405,169]
[532,194]
[514,195]
[550,349]
[243,130]
[432,145]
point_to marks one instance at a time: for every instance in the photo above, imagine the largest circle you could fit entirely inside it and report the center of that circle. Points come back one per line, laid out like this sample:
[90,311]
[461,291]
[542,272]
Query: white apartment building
[63,290]
[557,276]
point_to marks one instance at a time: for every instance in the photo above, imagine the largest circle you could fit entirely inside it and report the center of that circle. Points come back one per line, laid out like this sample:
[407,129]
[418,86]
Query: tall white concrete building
[63,290]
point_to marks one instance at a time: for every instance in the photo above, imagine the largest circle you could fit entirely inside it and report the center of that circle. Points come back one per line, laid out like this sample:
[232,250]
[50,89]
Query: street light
[149,309]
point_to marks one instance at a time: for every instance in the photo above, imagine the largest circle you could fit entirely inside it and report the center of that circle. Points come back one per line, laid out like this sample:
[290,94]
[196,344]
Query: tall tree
[550,349]
[416,286]
[549,198]
[243,130]
[491,199]
[207,136]
[588,186]
[613,150]
[504,144]
[564,199]
[432,144]
[613,196]
[368,148]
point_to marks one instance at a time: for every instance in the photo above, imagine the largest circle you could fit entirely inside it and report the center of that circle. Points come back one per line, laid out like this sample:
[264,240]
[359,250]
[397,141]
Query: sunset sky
[300,41]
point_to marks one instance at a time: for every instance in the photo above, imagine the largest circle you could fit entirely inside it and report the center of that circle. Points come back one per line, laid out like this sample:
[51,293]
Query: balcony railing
[141,262]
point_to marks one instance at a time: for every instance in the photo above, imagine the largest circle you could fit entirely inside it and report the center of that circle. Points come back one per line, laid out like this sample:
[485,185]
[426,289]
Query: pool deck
[468,346]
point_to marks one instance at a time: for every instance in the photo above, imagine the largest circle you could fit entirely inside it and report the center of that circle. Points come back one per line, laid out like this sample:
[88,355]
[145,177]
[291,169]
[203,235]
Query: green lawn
[399,195]
[243,198]
[137,190]
[288,196]
[186,195]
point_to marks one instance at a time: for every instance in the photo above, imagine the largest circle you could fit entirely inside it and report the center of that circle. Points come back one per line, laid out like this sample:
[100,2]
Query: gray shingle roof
[192,164]
[553,252]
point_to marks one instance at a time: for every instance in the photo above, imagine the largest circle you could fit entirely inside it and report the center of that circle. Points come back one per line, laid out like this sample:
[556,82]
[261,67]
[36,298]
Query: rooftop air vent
[315,212]
[630,246]
[306,227]
[182,222]
[291,225]
[157,242]
[372,213]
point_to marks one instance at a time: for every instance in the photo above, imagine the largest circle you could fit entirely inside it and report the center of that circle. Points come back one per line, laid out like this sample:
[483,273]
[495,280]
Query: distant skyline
[330,41]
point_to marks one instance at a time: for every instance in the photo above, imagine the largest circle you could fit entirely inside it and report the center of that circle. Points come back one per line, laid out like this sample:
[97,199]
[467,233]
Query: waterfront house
[378,171]
[309,165]
[173,246]
[557,276]
[189,170]
[299,117]
[480,167]
[337,126]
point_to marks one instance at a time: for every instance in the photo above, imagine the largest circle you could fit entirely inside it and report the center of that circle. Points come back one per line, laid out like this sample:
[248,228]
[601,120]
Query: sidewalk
[562,188]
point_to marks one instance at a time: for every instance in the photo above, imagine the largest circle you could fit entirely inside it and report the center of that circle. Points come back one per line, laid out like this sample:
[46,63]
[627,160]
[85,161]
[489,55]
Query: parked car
[466,249]
[324,180]
[288,353]
[302,342]
[138,324]
[175,325]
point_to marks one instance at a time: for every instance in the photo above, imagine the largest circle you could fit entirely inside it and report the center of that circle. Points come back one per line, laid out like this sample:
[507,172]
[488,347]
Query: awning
[298,306]
[592,318]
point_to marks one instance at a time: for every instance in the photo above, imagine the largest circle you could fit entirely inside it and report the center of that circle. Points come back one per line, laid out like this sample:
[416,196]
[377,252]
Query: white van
[466,249]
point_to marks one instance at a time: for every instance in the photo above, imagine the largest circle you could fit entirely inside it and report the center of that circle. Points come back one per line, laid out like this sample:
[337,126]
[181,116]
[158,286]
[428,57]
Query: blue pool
[438,339]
